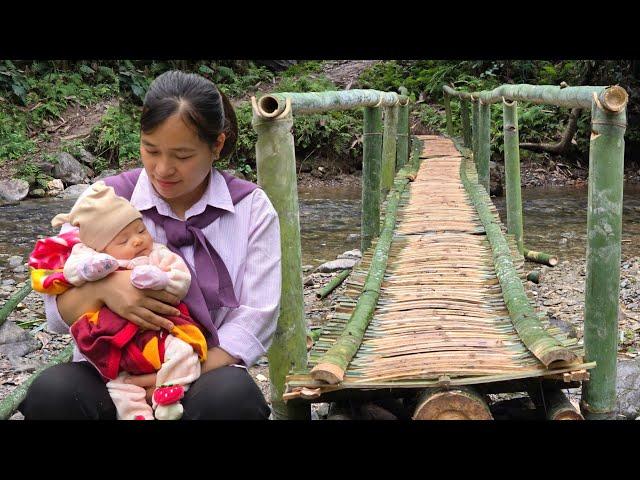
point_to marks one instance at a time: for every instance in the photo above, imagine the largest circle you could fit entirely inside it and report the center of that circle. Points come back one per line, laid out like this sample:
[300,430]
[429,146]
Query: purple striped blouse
[248,242]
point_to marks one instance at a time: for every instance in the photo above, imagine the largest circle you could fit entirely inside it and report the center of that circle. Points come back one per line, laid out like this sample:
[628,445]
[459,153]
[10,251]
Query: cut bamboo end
[456,404]
[270,107]
[614,98]
[563,355]
[328,372]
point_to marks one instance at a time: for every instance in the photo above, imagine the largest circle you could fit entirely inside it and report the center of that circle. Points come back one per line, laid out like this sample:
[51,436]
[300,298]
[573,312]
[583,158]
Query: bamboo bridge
[436,310]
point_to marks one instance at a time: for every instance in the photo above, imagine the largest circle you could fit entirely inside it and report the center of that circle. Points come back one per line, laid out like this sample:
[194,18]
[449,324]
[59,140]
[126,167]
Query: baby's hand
[97,267]
[149,276]
[134,262]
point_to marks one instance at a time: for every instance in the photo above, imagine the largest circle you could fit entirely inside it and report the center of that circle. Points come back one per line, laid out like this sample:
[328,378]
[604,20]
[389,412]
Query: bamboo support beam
[613,99]
[447,109]
[276,165]
[334,362]
[459,403]
[388,168]
[273,104]
[604,225]
[402,143]
[466,122]
[512,172]
[475,126]
[372,159]
[545,347]
[484,144]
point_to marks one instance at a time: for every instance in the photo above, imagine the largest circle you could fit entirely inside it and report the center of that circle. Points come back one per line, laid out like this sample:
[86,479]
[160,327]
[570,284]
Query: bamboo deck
[441,317]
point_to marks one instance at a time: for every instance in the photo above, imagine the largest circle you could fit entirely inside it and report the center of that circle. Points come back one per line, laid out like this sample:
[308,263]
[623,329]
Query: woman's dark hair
[199,103]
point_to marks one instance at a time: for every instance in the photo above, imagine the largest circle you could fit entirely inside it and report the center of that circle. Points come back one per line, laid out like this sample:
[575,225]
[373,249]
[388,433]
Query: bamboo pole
[372,157]
[447,109]
[475,126]
[276,165]
[333,284]
[466,122]
[459,403]
[402,142]
[484,144]
[334,362]
[612,98]
[11,402]
[389,148]
[604,225]
[546,348]
[272,105]
[540,257]
[534,276]
[512,172]
[8,307]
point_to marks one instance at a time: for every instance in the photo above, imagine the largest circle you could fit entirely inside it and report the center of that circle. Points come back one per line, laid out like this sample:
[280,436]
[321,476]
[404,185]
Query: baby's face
[133,241]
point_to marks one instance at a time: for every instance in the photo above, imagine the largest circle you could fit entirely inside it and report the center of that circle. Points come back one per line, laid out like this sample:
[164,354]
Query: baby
[112,236]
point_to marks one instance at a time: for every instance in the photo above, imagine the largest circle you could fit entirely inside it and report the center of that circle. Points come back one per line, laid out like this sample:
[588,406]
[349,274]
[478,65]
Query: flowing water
[555,221]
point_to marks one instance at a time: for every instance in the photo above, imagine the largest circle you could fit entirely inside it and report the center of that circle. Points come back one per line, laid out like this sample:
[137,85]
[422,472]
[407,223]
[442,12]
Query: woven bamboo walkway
[440,317]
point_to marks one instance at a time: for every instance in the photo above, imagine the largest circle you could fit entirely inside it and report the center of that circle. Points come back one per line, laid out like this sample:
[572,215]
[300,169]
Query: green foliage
[31,173]
[15,141]
[299,69]
[117,137]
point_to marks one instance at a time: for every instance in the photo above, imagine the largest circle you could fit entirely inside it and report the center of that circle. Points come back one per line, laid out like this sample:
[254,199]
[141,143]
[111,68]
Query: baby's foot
[97,267]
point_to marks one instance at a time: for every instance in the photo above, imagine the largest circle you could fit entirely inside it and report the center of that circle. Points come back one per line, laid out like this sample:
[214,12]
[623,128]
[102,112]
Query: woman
[227,232]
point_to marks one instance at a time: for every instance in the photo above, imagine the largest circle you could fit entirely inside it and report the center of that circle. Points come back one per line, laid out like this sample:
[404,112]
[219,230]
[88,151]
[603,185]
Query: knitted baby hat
[100,216]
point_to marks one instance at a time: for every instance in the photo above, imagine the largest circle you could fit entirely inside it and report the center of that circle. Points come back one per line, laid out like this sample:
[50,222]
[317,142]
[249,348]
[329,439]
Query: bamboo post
[276,165]
[372,157]
[389,148]
[475,117]
[484,144]
[459,403]
[512,171]
[402,142]
[447,109]
[604,225]
[466,122]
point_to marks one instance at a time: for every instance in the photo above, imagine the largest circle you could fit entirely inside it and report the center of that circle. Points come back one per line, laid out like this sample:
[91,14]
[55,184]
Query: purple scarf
[211,285]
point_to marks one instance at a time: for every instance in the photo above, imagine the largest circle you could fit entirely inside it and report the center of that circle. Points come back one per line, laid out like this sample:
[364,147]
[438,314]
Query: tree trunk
[565,142]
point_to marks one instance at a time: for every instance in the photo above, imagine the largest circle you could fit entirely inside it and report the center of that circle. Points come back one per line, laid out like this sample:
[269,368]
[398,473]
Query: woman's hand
[145,308]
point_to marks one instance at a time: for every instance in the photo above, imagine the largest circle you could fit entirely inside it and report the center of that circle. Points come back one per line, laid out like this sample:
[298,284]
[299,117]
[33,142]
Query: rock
[356,254]
[335,265]
[309,281]
[20,269]
[70,170]
[628,388]
[38,193]
[15,261]
[16,342]
[105,174]
[352,237]
[55,186]
[306,268]
[14,190]
[239,175]
[261,378]
[565,326]
[322,409]
[86,157]
[74,191]
[8,281]
[317,173]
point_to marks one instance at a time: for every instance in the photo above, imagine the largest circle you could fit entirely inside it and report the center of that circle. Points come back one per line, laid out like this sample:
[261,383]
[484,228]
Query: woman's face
[177,161]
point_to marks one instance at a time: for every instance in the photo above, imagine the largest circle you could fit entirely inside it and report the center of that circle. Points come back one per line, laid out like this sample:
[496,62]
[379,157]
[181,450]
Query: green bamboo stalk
[333,284]
[540,257]
[613,98]
[402,142]
[276,165]
[389,148]
[484,144]
[447,109]
[334,362]
[372,158]
[602,289]
[512,172]
[475,127]
[466,122]
[272,105]
[545,347]
[534,276]
[11,402]
[416,149]
[8,307]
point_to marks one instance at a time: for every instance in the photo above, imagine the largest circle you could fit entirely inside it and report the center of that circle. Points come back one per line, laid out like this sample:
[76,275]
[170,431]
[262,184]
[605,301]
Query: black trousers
[76,391]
